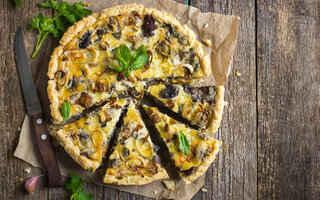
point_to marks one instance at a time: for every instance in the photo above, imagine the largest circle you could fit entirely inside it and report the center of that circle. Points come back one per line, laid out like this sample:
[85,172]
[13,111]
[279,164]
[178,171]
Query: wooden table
[271,125]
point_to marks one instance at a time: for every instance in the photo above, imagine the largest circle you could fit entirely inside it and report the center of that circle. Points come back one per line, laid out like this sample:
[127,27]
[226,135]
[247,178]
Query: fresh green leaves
[76,186]
[184,145]
[17,2]
[130,62]
[64,15]
[65,110]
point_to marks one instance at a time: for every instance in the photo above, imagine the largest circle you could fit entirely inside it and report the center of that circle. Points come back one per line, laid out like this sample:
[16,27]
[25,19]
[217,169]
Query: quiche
[202,149]
[106,56]
[202,106]
[85,68]
[87,139]
[134,160]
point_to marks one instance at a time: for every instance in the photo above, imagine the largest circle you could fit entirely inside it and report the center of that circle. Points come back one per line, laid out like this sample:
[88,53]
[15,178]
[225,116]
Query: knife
[35,112]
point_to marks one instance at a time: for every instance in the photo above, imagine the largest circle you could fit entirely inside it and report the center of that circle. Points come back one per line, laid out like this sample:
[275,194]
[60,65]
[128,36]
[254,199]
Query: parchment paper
[221,30]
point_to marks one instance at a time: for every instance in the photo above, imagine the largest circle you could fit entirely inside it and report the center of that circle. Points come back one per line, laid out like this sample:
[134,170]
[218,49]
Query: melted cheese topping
[85,69]
[90,134]
[184,105]
[133,154]
[169,129]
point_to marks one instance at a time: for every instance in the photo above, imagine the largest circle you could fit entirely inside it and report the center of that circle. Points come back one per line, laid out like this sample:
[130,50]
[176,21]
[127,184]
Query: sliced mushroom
[201,118]
[85,99]
[189,68]
[125,153]
[169,92]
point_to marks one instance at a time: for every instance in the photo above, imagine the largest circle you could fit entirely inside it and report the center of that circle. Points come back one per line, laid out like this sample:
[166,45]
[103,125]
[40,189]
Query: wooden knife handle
[46,151]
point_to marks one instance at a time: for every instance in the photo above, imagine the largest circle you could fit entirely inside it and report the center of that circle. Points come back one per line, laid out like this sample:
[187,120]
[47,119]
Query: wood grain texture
[288,99]
[234,174]
[12,110]
[270,128]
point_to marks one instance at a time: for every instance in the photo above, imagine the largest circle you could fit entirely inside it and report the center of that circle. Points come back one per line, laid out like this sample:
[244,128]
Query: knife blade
[34,110]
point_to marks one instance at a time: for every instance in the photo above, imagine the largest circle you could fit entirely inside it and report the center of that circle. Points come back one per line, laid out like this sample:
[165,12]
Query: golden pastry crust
[218,110]
[103,15]
[54,101]
[136,180]
[204,166]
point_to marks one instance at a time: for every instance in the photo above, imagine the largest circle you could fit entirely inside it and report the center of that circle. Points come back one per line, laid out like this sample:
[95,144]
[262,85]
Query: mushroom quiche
[191,150]
[100,61]
[87,139]
[134,160]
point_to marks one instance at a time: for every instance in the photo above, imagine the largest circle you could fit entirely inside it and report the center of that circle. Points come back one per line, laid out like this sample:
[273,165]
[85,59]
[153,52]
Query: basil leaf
[123,55]
[141,50]
[117,69]
[65,109]
[140,62]
[127,73]
[184,145]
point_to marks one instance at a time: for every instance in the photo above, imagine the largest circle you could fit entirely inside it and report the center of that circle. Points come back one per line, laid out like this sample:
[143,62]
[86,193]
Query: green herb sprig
[64,16]
[128,62]
[76,186]
[17,2]
[65,110]
[184,145]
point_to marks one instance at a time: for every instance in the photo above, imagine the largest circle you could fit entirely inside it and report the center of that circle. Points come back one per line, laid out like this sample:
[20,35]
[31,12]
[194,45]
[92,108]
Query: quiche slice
[191,162]
[202,106]
[87,139]
[134,160]
[85,68]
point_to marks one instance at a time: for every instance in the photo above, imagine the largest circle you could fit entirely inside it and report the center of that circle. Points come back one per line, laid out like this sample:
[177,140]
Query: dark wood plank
[288,99]
[12,109]
[234,174]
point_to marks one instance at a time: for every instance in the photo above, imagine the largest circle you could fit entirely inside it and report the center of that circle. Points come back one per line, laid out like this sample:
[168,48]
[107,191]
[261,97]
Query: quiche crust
[136,180]
[217,111]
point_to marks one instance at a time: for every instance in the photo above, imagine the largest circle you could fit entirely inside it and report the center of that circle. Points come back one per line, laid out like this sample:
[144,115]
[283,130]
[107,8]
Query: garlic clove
[30,185]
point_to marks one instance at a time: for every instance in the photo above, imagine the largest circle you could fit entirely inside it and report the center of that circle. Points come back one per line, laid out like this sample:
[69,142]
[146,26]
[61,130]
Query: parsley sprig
[76,186]
[64,15]
[128,62]
[17,2]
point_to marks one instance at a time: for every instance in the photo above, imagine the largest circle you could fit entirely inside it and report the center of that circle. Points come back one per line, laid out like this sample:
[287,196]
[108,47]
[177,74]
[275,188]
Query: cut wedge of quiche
[87,139]
[87,67]
[134,160]
[192,151]
[202,106]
